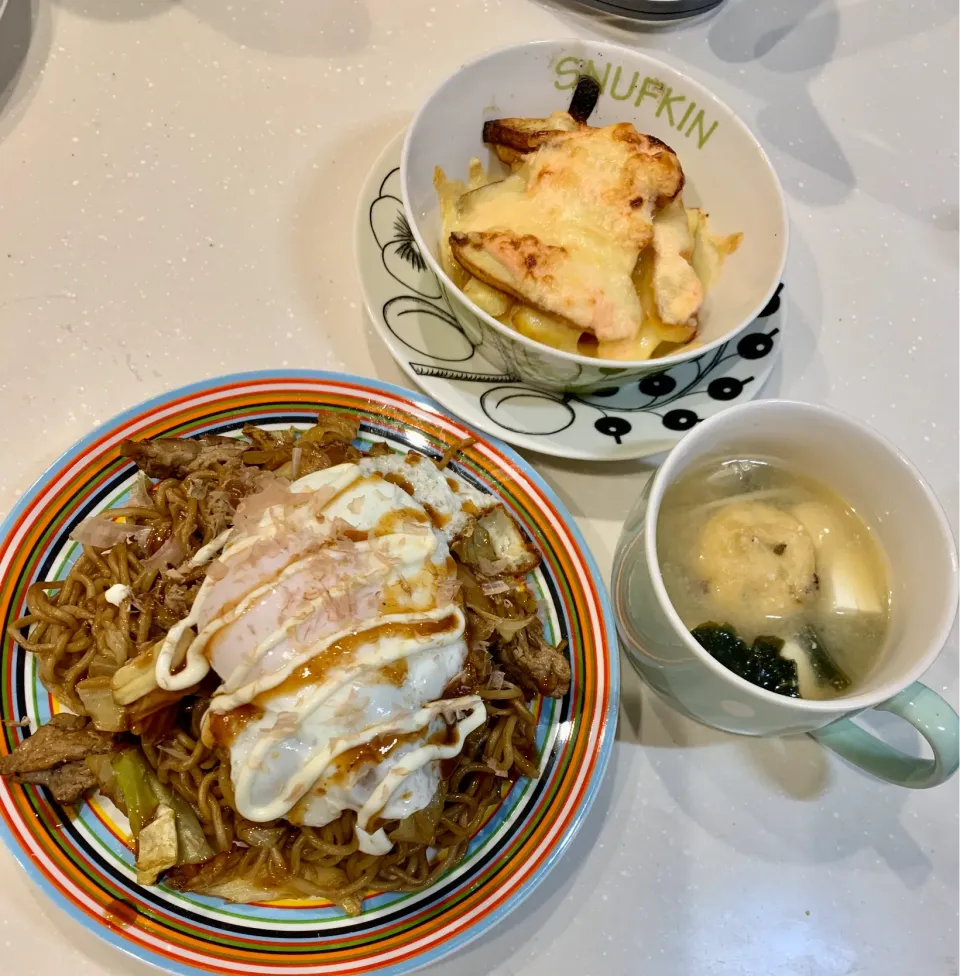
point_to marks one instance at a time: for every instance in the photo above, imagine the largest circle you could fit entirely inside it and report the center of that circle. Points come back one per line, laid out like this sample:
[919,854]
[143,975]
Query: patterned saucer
[635,420]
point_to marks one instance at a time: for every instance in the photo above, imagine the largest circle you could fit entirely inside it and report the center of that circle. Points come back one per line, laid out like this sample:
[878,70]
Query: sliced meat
[178,599]
[216,450]
[64,739]
[218,509]
[534,665]
[176,457]
[67,783]
[66,722]
[164,457]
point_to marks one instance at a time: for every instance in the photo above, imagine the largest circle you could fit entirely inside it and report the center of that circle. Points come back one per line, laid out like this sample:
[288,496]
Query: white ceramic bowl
[727,173]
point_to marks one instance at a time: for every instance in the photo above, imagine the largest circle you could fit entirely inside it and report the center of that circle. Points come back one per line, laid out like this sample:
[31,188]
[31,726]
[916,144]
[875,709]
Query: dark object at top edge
[585,98]
[653,10]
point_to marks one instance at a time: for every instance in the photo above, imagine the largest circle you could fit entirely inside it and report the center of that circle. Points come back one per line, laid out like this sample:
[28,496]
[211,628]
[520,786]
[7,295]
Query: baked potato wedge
[545,328]
[644,284]
[517,137]
[638,349]
[490,300]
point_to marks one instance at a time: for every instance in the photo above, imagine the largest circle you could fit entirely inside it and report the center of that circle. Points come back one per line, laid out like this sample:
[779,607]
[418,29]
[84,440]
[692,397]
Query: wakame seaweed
[759,663]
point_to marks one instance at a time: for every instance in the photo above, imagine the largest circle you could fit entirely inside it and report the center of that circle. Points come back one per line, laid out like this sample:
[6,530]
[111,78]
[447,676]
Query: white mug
[909,524]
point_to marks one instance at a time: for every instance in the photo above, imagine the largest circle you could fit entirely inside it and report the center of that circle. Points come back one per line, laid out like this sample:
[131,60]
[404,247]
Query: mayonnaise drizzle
[379,843]
[325,752]
[117,594]
[197,666]
[207,554]
[373,655]
[316,750]
[388,546]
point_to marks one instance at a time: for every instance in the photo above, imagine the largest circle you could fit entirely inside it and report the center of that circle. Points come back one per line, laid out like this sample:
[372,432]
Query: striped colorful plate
[82,858]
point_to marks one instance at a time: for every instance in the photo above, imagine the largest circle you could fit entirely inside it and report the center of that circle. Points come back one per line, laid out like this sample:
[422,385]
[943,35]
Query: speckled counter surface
[177,183]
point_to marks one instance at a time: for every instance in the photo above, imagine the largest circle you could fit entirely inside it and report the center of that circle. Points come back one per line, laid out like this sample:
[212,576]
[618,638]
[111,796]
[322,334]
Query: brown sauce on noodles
[76,634]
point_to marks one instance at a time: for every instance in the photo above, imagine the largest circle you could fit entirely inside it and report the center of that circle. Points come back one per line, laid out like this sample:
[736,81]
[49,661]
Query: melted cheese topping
[333,625]
[564,232]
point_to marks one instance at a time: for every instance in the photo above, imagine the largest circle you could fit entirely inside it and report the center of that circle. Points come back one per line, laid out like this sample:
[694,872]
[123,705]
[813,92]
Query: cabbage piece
[257,835]
[224,876]
[99,703]
[157,846]
[157,701]
[136,678]
[140,801]
[473,594]
[192,844]
[136,791]
[473,548]
[241,890]
[136,681]
[421,826]
[230,876]
[102,666]
[102,767]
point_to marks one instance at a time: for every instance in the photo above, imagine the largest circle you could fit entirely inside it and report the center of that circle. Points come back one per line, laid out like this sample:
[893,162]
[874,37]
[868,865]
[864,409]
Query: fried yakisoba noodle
[98,632]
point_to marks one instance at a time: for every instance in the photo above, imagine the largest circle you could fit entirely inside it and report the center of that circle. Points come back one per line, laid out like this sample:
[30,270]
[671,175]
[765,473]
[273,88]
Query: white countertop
[177,184]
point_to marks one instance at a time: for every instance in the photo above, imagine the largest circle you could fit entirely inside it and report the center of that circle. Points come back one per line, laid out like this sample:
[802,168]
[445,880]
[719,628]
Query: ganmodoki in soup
[775,575]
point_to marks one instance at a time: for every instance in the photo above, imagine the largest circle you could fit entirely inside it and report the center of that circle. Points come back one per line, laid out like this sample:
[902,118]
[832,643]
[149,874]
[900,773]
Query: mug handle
[929,714]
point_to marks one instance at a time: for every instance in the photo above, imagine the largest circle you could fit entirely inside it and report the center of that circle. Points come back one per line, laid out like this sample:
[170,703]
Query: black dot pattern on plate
[773,306]
[416,318]
[725,388]
[660,384]
[756,346]
[680,419]
[615,427]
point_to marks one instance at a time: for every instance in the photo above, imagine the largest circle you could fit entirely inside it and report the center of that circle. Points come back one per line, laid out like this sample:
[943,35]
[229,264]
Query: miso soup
[775,575]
